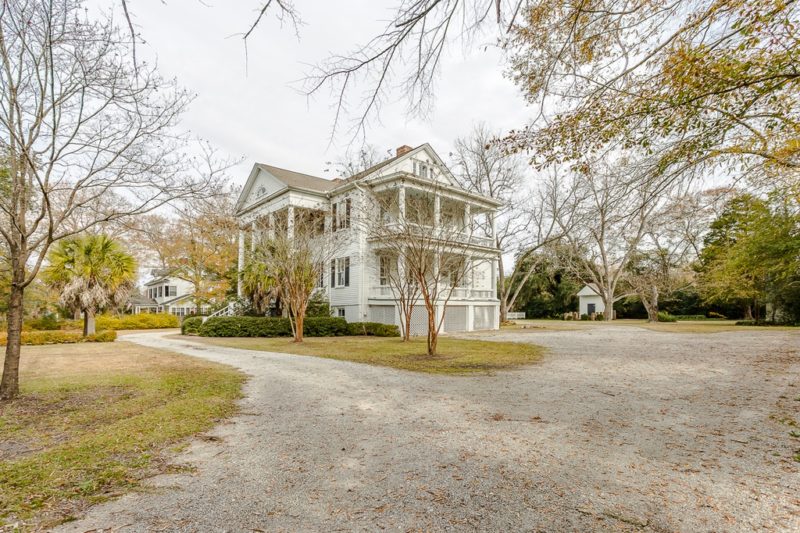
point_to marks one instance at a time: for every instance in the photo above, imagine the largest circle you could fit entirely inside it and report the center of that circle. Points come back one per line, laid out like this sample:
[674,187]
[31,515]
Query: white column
[240,263]
[468,220]
[271,224]
[494,277]
[254,235]
[290,222]
[437,212]
[494,227]
[401,203]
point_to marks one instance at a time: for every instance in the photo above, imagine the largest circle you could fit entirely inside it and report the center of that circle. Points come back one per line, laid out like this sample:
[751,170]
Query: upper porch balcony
[431,212]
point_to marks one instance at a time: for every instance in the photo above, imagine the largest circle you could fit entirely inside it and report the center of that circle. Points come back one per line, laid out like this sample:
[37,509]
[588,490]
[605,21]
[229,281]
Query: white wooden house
[357,288]
[166,293]
[589,301]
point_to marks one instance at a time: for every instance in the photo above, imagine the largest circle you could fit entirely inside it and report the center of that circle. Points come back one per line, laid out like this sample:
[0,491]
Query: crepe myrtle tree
[289,260]
[428,246]
[92,273]
[79,123]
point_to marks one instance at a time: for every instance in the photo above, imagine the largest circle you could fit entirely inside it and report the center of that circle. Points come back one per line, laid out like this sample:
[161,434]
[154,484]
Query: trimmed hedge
[245,326]
[252,326]
[191,325]
[666,317]
[375,329]
[140,321]
[38,338]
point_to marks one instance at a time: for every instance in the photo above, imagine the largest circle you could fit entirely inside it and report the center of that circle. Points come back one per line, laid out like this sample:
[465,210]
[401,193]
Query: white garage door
[455,318]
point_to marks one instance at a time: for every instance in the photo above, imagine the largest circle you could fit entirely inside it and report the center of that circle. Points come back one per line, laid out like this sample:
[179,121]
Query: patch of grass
[456,356]
[93,420]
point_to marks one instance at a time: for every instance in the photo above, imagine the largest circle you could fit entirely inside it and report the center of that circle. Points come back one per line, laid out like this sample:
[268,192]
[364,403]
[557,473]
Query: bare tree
[672,242]
[292,260]
[429,247]
[406,55]
[546,226]
[482,167]
[357,160]
[610,209]
[77,123]
[660,265]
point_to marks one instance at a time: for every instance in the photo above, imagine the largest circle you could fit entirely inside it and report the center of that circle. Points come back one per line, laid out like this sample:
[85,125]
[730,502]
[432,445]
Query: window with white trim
[340,311]
[341,214]
[384,270]
[340,272]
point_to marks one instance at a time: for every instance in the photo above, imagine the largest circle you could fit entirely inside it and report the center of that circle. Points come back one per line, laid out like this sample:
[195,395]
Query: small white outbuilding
[589,301]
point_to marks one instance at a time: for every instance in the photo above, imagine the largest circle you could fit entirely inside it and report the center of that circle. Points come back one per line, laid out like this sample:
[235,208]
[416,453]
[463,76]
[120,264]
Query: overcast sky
[253,109]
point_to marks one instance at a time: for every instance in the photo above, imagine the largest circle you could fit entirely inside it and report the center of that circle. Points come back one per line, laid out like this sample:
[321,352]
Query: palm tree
[92,273]
[259,284]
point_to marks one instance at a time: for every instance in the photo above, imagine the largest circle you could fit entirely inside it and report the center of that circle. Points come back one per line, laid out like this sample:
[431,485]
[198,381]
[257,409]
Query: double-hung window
[340,272]
[385,270]
[341,214]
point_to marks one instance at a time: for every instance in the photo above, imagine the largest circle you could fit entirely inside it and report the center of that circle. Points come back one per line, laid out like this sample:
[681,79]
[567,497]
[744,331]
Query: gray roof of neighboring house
[297,179]
[140,300]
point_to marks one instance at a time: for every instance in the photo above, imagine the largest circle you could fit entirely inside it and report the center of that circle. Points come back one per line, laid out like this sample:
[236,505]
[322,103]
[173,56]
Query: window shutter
[346,271]
[335,224]
[333,273]
[347,213]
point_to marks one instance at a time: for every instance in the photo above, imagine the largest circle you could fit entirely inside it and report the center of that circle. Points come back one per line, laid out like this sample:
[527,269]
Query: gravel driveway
[619,428]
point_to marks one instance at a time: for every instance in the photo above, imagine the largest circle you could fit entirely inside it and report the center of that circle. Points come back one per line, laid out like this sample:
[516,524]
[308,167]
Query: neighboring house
[166,293]
[589,301]
[355,281]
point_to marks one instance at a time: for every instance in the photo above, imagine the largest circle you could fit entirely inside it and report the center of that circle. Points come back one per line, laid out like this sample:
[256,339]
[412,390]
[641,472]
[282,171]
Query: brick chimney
[403,150]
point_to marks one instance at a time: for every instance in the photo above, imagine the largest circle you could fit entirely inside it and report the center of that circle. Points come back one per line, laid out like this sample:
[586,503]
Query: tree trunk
[651,305]
[407,324]
[9,386]
[608,312]
[433,334]
[748,313]
[298,328]
[88,323]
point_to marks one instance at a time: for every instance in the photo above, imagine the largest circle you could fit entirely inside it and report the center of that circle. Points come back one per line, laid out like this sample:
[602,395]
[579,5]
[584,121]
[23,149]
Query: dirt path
[618,428]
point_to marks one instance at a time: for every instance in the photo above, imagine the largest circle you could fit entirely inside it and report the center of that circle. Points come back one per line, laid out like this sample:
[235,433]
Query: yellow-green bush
[141,321]
[37,338]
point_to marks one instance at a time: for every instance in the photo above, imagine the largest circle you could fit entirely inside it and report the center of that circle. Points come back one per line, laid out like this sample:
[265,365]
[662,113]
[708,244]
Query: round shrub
[191,325]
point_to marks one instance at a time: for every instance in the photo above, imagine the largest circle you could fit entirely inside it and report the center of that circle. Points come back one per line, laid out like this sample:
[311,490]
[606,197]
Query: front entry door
[590,309]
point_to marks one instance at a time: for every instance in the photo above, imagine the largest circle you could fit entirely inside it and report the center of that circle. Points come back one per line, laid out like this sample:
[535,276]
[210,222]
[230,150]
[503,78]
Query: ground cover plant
[92,420]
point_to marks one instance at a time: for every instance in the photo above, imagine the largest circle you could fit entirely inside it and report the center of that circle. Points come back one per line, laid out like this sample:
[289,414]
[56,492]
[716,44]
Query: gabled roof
[589,290]
[298,179]
[139,300]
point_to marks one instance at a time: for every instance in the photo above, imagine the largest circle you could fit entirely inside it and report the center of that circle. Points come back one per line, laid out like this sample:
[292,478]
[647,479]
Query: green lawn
[455,356]
[93,420]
